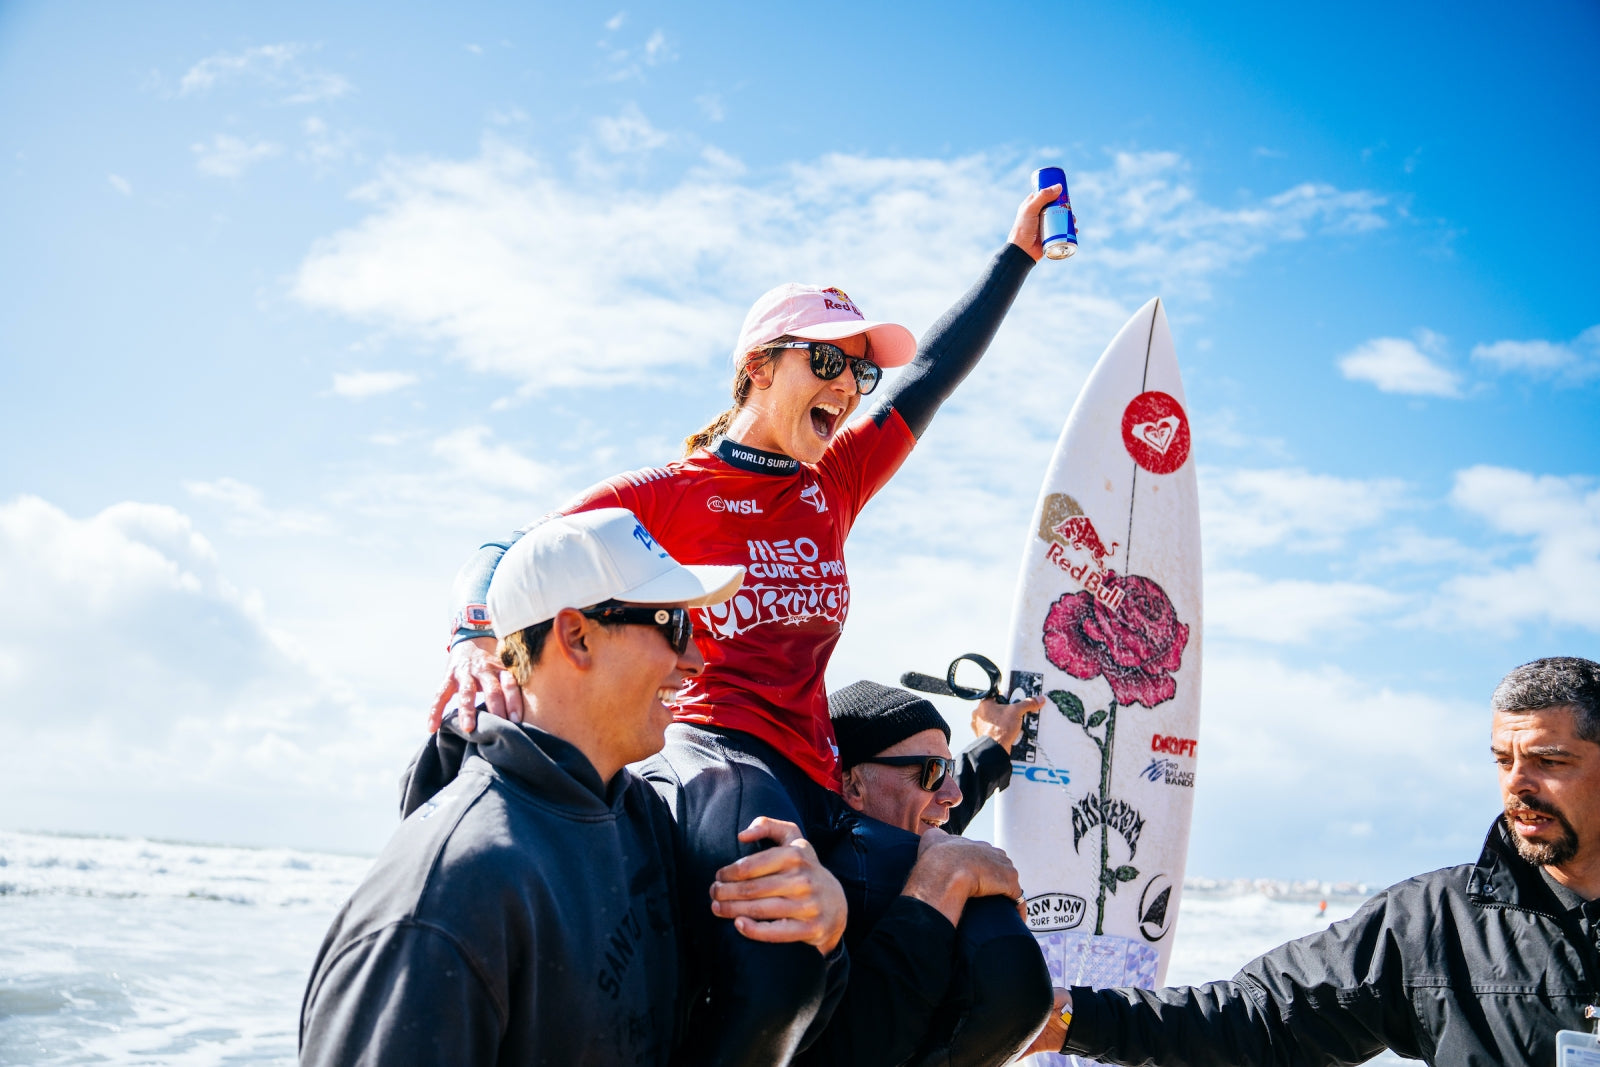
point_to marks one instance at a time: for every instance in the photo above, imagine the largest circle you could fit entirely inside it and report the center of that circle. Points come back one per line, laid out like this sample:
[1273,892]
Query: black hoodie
[523,915]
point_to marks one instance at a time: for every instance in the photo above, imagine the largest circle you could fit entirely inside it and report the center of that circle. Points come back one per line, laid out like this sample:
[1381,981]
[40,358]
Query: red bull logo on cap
[839,300]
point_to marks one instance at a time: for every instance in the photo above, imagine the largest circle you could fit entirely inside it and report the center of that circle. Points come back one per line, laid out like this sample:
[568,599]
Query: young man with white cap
[773,485]
[527,911]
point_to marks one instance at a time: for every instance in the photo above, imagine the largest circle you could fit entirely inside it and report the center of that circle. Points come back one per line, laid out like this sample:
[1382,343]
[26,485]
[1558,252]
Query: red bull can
[1058,227]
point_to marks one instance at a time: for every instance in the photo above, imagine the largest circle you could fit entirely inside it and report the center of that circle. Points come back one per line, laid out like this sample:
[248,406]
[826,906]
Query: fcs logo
[721,505]
[812,494]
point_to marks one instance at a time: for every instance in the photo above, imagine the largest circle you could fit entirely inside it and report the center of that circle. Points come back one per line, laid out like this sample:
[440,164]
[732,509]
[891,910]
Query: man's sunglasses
[829,361]
[934,768]
[674,623]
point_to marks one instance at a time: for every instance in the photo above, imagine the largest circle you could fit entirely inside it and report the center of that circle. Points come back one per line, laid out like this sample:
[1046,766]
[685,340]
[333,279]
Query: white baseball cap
[578,561]
[813,313]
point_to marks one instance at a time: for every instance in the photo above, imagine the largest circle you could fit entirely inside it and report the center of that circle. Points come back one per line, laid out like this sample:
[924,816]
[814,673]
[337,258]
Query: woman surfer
[773,484]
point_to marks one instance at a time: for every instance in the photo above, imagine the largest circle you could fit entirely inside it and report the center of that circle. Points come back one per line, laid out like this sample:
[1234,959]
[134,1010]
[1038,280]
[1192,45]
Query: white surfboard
[1106,623]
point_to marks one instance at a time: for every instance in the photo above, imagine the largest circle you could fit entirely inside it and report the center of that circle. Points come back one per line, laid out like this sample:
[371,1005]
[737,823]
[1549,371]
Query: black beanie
[868,718]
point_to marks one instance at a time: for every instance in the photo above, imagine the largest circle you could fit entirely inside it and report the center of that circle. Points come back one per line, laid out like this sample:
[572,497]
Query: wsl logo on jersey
[724,506]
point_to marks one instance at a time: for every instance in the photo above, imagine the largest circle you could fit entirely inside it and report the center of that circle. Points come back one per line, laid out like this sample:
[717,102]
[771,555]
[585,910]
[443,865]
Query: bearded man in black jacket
[1473,965]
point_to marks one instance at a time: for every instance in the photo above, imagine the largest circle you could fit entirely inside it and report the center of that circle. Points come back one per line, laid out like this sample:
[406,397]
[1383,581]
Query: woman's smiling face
[791,410]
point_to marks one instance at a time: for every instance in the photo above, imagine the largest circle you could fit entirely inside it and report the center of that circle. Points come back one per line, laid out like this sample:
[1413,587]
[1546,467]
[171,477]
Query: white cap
[578,561]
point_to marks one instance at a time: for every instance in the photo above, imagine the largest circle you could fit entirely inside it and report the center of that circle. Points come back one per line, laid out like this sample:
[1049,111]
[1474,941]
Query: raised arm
[986,763]
[958,340]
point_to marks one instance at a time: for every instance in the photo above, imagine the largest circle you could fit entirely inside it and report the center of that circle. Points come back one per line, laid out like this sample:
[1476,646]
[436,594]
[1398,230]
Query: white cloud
[120,184]
[277,66]
[1289,611]
[629,62]
[249,511]
[1296,757]
[512,267]
[1574,361]
[323,146]
[629,132]
[138,670]
[465,480]
[1243,511]
[1559,520]
[1396,365]
[711,107]
[358,385]
[228,156]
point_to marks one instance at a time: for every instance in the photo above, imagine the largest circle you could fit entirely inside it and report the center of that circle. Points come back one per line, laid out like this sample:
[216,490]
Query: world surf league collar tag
[754,460]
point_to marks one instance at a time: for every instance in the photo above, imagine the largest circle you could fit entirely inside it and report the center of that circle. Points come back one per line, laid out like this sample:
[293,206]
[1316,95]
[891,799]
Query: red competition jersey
[785,522]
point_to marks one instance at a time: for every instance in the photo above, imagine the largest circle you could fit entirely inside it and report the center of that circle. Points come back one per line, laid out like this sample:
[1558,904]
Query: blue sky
[298,305]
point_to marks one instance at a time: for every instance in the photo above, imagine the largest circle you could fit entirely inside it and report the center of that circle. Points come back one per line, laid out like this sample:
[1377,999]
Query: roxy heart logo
[1155,431]
[1158,435]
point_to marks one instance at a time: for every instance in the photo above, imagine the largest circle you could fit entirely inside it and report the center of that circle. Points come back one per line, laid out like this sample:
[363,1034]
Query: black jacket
[985,769]
[1472,965]
[524,914]
[907,971]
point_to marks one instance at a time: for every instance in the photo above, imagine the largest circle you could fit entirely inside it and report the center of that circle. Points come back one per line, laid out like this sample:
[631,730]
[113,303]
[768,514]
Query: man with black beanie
[869,718]
[946,972]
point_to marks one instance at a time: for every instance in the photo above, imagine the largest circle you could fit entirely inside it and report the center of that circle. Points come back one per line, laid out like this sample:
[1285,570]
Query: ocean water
[125,951]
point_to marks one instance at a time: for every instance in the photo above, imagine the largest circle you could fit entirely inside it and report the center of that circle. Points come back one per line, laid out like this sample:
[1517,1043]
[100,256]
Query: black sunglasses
[934,768]
[674,623]
[829,361]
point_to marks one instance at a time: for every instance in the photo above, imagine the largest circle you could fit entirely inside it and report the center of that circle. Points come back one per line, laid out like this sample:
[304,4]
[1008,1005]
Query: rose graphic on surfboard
[1107,624]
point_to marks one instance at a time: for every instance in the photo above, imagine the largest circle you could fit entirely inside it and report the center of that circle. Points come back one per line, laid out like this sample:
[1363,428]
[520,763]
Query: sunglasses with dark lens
[829,361]
[675,624]
[934,768]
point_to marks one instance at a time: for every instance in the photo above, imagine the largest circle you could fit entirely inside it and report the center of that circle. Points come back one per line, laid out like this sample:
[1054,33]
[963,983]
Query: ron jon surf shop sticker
[1155,432]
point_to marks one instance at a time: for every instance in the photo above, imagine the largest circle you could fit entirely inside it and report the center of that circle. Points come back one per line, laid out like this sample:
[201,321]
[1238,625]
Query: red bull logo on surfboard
[1077,547]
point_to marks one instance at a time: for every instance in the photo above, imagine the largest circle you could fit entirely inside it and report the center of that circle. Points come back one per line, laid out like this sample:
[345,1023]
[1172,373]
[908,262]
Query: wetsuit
[752,735]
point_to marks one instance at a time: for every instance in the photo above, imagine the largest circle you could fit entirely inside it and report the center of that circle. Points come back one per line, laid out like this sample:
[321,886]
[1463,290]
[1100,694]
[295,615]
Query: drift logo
[721,505]
[1174,746]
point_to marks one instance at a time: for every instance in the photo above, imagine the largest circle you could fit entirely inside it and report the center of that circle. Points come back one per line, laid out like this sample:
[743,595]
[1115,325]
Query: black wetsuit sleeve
[1331,998]
[985,769]
[403,996]
[956,342]
[899,975]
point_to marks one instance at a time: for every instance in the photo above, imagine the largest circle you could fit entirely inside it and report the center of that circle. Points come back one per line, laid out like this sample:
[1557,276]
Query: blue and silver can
[1058,227]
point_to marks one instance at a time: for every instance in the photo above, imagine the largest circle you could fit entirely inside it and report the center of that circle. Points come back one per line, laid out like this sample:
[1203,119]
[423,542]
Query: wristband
[471,621]
[1066,1026]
